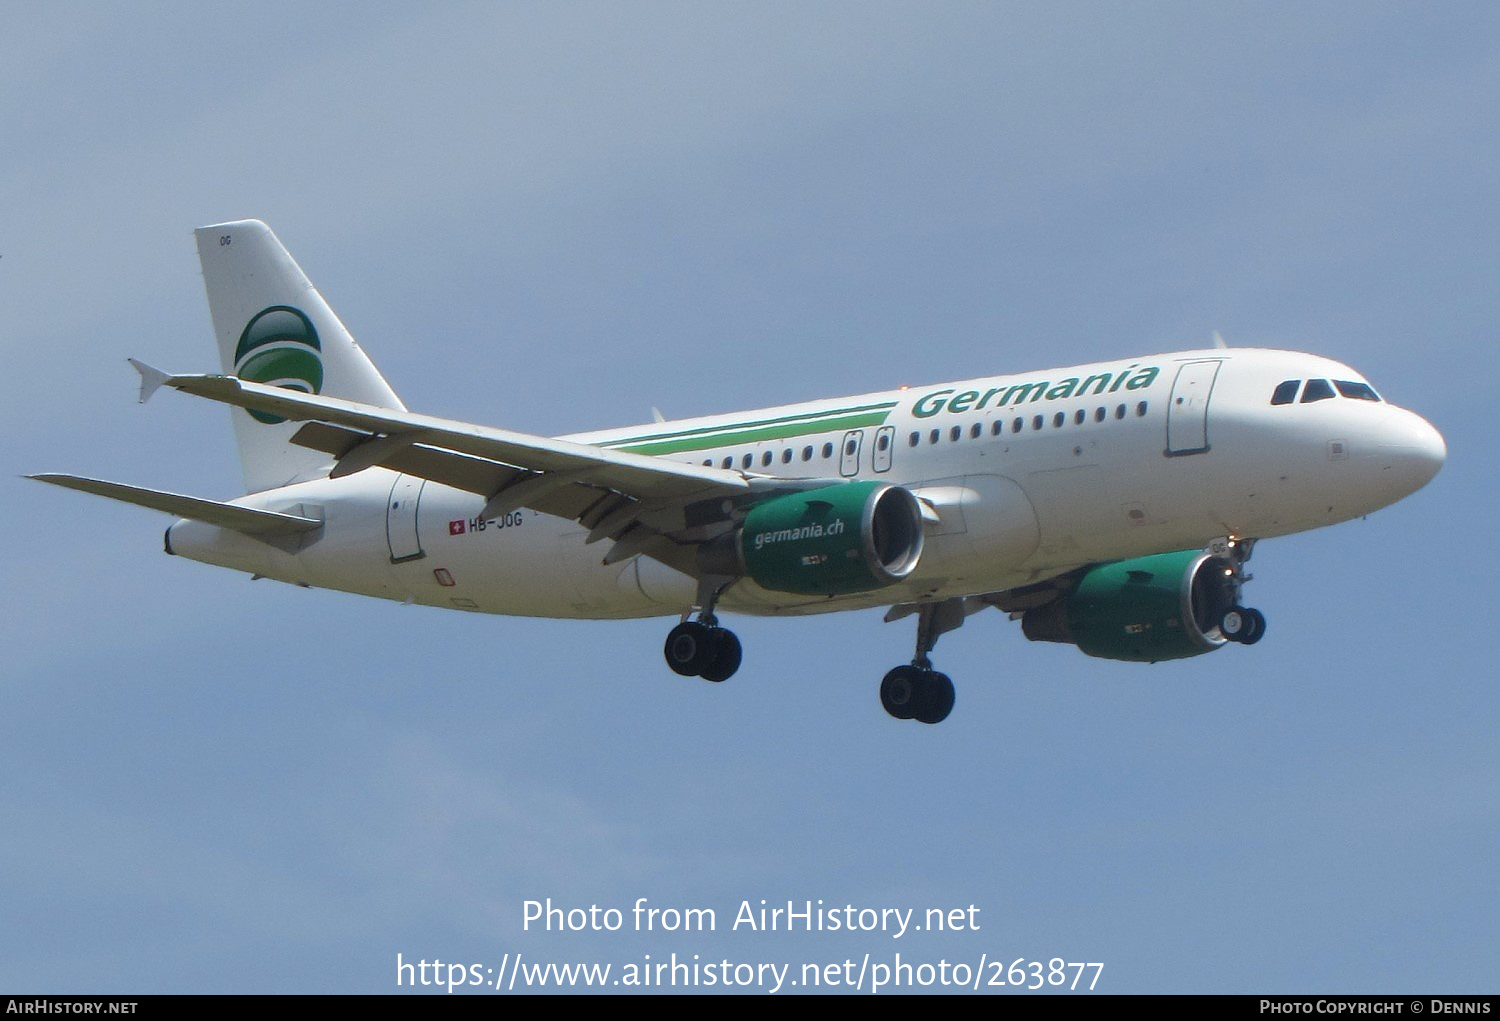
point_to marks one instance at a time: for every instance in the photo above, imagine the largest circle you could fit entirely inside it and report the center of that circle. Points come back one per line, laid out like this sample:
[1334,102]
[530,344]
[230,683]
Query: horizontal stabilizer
[259,523]
[151,378]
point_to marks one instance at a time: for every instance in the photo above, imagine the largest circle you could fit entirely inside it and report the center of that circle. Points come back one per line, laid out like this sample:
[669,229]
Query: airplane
[1110,506]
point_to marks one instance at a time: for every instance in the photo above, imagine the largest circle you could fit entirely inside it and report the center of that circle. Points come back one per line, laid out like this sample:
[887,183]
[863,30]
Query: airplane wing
[389,430]
[258,523]
[644,503]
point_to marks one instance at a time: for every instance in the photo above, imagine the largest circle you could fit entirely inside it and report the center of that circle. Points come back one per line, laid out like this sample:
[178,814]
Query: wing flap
[478,475]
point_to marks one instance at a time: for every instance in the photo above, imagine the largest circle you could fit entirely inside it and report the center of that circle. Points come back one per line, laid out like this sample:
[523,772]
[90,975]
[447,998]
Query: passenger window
[827,451]
[728,462]
[997,427]
[749,459]
[1285,393]
[1140,410]
[1058,419]
[1099,414]
[1359,391]
[914,439]
[807,453]
[786,456]
[1036,422]
[1079,416]
[932,437]
[1017,426]
[1317,390]
[1119,411]
[976,430]
[955,433]
[883,442]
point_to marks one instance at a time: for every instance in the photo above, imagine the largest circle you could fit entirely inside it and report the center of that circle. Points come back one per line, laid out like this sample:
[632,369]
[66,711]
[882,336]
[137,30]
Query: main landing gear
[918,692]
[700,648]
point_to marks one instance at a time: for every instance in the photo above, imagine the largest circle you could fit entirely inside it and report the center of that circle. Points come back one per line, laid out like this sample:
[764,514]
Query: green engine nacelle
[1166,606]
[832,541]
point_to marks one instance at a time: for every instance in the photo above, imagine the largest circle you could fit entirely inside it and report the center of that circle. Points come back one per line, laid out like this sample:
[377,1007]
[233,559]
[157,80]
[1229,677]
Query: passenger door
[401,519]
[1187,411]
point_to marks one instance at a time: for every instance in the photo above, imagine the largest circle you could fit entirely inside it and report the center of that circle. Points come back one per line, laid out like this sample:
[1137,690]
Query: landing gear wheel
[695,649]
[1234,624]
[727,656]
[898,692]
[934,697]
[912,693]
[1255,627]
[690,648]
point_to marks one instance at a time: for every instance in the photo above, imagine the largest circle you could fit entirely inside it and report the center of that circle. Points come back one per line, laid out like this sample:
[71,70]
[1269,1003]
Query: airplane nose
[1414,451]
[1431,448]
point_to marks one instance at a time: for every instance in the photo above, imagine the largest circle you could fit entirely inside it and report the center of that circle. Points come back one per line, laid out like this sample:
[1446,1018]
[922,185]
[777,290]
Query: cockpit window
[1359,391]
[1317,390]
[1286,393]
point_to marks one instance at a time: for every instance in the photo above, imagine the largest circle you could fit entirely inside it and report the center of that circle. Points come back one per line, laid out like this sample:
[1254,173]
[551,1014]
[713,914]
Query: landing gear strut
[918,692]
[701,648]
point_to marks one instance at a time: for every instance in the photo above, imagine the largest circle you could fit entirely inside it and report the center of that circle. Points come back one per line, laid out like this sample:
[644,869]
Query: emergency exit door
[849,454]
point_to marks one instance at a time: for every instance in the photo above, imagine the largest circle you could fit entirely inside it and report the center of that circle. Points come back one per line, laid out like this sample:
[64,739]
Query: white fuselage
[1027,476]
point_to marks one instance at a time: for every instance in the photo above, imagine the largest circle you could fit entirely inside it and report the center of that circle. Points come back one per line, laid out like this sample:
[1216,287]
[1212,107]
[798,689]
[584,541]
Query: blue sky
[551,218]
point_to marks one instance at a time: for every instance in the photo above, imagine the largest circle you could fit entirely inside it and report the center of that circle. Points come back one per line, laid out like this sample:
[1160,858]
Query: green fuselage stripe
[738,433]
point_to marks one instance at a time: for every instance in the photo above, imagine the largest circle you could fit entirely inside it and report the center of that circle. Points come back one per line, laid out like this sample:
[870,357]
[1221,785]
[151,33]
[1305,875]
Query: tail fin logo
[280,348]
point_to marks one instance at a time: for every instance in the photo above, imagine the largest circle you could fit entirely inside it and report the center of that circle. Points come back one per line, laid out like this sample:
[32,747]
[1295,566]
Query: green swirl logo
[280,348]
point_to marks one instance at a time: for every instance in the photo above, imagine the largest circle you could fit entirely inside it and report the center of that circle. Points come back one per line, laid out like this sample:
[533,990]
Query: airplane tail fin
[274,327]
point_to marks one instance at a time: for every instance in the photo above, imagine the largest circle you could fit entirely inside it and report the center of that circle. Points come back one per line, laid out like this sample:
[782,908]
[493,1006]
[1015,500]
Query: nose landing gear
[1238,623]
[1242,625]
